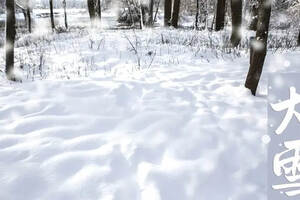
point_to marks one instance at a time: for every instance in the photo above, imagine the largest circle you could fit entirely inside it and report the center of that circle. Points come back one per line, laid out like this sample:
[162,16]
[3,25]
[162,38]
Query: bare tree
[258,49]
[201,14]
[254,16]
[220,15]
[168,12]
[91,8]
[99,9]
[10,39]
[151,5]
[24,6]
[51,14]
[236,12]
[28,19]
[175,14]
[65,13]
[298,38]
[157,7]
[197,13]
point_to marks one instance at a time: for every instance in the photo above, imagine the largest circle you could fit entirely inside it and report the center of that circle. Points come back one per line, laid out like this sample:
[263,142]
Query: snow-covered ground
[169,121]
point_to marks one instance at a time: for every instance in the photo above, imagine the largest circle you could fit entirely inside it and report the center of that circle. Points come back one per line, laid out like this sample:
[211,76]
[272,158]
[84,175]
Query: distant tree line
[260,12]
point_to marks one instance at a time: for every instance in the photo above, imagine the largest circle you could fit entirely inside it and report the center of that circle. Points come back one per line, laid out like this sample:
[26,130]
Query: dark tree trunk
[259,46]
[197,14]
[299,38]
[154,20]
[65,12]
[99,9]
[236,12]
[10,38]
[91,8]
[220,16]
[254,18]
[175,15]
[51,14]
[168,12]
[151,5]
[28,19]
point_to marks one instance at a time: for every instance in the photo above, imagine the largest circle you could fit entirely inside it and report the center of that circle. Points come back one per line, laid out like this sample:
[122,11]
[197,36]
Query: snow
[96,125]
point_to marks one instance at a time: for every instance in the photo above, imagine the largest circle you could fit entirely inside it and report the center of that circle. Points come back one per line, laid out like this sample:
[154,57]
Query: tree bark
[259,46]
[157,8]
[10,39]
[142,16]
[254,18]
[168,12]
[91,8]
[220,16]
[51,14]
[299,38]
[65,13]
[197,14]
[28,18]
[25,16]
[151,5]
[236,12]
[175,14]
[99,9]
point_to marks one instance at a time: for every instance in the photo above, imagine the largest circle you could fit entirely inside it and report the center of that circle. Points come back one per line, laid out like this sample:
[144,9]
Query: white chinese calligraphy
[288,105]
[288,163]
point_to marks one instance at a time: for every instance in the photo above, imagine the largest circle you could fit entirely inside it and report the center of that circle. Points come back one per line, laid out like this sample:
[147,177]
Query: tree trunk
[151,5]
[220,16]
[25,16]
[259,46]
[299,38]
[91,8]
[168,12]
[142,16]
[51,14]
[175,15]
[254,18]
[236,12]
[197,14]
[10,39]
[65,12]
[28,18]
[99,9]
[154,20]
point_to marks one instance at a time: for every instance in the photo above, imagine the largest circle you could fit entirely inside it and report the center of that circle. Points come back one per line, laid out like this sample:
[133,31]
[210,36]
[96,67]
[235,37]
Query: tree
[10,30]
[99,9]
[51,14]
[298,42]
[254,16]
[168,12]
[175,14]
[25,7]
[258,49]
[220,15]
[157,8]
[65,12]
[91,8]
[201,14]
[141,15]
[151,5]
[197,13]
[28,19]
[236,12]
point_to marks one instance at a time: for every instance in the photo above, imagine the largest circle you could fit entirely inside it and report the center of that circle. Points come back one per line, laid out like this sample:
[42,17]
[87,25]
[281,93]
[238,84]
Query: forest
[140,99]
